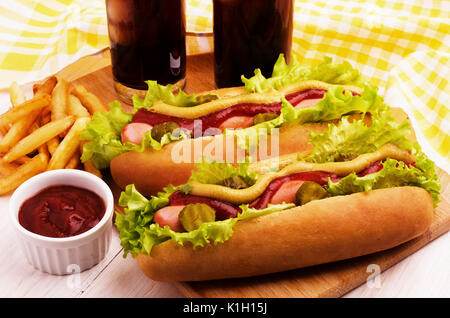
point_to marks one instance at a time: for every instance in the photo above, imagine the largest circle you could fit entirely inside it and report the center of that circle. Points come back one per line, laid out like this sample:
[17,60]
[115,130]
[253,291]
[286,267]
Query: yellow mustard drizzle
[240,196]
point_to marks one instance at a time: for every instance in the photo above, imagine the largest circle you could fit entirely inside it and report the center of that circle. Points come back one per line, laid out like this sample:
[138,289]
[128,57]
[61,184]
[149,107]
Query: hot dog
[340,210]
[157,168]
[174,162]
[297,104]
[294,128]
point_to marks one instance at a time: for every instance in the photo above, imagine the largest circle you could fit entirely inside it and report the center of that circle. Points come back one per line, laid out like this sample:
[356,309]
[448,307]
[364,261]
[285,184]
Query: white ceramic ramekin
[60,256]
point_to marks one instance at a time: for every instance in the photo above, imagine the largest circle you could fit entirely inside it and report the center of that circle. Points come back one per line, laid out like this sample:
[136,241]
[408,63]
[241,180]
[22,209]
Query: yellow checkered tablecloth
[403,47]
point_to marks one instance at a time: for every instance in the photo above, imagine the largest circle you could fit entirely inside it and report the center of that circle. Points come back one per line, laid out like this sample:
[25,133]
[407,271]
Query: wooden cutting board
[329,280]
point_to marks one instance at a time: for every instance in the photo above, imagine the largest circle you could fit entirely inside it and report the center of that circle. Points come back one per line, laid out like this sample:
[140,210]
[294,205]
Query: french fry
[38,138]
[43,89]
[74,161]
[42,149]
[22,160]
[52,145]
[69,145]
[33,127]
[17,131]
[88,99]
[15,113]
[7,169]
[44,119]
[90,167]
[48,126]
[46,87]
[76,108]
[17,97]
[16,94]
[36,88]
[36,165]
[3,130]
[58,103]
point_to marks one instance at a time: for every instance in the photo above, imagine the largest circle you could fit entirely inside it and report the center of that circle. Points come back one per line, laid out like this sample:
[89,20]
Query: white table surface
[425,273]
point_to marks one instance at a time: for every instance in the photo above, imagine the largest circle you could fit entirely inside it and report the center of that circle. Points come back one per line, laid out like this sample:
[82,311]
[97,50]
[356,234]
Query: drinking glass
[249,34]
[148,42]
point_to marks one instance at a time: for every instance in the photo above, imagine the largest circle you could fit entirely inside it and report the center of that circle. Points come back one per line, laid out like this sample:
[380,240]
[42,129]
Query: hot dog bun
[152,170]
[319,232]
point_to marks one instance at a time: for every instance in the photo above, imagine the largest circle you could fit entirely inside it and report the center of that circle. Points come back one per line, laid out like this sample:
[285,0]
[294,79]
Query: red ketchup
[223,210]
[319,177]
[216,118]
[62,211]
[312,93]
[372,168]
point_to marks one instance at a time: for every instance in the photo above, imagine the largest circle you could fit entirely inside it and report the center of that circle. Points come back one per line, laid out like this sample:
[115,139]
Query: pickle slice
[235,182]
[310,191]
[160,130]
[194,215]
[206,98]
[263,117]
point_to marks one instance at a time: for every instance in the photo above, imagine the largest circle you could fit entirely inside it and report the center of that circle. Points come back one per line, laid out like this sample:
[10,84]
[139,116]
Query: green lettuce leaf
[104,140]
[349,139]
[138,232]
[139,213]
[165,93]
[103,134]
[284,74]
[335,103]
[211,172]
[394,174]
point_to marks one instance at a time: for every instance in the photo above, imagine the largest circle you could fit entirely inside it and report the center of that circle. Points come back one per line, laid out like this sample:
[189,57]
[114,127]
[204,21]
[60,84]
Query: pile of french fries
[43,133]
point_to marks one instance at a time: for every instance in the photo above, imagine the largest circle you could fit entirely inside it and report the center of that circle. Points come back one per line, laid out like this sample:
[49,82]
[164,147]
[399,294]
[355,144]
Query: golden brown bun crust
[322,231]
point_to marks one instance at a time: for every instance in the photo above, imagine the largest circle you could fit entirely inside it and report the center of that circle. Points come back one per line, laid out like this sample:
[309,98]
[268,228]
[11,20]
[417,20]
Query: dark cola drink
[147,42]
[250,34]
